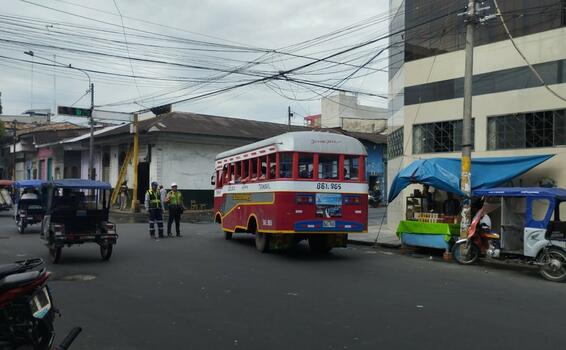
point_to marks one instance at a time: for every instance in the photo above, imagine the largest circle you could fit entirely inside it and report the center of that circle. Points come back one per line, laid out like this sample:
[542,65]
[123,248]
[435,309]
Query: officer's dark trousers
[174,214]
[155,216]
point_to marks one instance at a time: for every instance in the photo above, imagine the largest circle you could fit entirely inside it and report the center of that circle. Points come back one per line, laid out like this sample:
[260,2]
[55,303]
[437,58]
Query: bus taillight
[351,200]
[304,199]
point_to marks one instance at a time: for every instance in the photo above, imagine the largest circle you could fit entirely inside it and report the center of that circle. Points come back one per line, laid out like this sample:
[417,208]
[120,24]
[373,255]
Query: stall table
[426,234]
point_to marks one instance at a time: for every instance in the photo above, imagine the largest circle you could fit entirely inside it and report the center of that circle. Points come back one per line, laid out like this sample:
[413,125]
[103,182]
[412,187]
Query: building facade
[513,114]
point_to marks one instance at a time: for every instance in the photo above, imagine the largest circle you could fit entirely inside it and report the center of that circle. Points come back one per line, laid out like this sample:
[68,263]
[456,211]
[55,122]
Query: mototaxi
[77,212]
[528,224]
[28,203]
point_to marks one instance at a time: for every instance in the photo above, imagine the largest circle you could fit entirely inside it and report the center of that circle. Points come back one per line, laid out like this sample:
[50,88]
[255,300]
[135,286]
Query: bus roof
[304,141]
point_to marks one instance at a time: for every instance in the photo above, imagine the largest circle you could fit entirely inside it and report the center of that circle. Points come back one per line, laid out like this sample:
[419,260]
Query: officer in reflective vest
[154,207]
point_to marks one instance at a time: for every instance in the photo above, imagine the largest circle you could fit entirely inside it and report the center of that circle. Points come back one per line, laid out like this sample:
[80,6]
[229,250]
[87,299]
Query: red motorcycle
[480,242]
[26,308]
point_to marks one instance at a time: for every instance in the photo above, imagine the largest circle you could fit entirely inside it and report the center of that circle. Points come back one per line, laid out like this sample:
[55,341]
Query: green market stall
[428,234]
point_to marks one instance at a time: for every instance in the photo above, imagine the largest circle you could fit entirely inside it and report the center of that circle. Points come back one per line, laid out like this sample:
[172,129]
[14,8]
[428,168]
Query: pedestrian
[175,201]
[124,196]
[162,194]
[154,207]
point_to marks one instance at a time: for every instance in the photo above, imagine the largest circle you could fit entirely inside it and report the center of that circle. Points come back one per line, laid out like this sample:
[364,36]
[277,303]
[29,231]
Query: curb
[371,244]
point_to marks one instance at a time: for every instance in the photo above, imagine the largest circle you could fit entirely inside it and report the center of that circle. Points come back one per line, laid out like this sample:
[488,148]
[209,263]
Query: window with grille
[395,144]
[527,130]
[438,137]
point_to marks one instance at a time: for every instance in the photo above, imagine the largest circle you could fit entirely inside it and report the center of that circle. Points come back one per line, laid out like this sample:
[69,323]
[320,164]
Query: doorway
[143,180]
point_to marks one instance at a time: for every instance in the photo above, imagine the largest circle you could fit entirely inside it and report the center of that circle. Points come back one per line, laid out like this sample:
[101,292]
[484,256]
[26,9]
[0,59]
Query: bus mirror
[212,180]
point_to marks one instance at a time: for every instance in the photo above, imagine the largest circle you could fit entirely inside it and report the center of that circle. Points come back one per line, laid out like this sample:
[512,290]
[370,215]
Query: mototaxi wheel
[553,264]
[472,255]
[106,251]
[55,253]
[21,225]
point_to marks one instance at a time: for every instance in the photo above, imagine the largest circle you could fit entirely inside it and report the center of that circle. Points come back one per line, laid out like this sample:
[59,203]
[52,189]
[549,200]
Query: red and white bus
[299,185]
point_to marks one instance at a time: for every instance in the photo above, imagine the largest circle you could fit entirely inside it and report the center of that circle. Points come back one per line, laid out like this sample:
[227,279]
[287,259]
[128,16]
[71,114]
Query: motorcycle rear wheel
[554,265]
[471,257]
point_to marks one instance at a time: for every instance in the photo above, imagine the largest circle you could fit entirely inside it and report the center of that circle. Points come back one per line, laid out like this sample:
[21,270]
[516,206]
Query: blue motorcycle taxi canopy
[28,183]
[444,173]
[537,192]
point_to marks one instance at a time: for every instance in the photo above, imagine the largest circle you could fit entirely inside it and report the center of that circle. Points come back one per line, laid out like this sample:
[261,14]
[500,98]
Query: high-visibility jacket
[153,200]
[175,198]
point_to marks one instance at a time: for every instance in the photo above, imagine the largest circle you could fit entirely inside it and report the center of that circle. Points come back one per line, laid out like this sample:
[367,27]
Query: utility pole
[289,116]
[135,204]
[14,150]
[466,177]
[92,175]
[472,18]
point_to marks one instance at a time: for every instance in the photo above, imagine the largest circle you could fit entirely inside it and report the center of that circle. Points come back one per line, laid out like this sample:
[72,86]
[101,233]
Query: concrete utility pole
[466,177]
[135,204]
[92,175]
[14,130]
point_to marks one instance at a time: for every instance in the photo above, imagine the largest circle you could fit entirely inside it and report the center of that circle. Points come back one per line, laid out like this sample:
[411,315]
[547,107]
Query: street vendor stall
[429,224]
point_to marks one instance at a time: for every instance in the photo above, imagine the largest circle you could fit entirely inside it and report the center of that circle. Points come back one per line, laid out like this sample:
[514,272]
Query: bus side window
[253,169]
[272,165]
[327,166]
[263,168]
[351,167]
[285,165]
[306,165]
[245,170]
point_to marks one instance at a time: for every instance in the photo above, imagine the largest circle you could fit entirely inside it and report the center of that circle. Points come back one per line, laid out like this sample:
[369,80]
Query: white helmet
[174,184]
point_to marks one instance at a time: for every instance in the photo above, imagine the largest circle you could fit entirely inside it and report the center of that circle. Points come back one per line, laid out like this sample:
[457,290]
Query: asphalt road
[201,292]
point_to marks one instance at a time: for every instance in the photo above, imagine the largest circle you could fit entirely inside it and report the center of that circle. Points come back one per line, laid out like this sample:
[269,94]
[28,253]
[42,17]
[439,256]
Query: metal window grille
[395,144]
[527,130]
[438,137]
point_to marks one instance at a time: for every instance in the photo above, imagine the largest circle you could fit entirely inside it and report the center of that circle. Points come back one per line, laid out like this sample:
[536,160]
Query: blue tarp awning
[444,173]
[80,184]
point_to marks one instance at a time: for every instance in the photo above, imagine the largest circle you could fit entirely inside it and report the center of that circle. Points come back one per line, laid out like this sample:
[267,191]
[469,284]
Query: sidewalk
[190,216]
[382,236]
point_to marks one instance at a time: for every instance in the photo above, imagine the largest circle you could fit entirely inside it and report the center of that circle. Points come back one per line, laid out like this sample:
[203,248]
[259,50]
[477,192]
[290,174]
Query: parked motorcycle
[26,308]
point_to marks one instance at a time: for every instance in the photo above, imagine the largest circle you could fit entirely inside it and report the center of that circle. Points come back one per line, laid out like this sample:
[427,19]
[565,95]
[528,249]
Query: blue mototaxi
[77,212]
[531,223]
[29,206]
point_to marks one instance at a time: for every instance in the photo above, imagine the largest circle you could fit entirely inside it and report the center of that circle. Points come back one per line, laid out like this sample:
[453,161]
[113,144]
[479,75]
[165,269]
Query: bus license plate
[329,223]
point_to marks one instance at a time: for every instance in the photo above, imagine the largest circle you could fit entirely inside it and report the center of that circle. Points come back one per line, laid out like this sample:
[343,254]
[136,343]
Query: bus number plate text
[328,186]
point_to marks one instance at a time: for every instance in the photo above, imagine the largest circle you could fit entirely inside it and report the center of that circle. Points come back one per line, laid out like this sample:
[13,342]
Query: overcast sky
[249,23]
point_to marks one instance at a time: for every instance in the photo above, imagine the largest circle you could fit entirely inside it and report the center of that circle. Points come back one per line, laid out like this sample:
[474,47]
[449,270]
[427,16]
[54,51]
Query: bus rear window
[306,166]
[286,165]
[327,166]
[351,167]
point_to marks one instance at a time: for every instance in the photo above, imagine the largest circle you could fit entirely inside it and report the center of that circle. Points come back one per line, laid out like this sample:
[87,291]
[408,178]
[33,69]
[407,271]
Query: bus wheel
[320,244]
[261,242]
[227,235]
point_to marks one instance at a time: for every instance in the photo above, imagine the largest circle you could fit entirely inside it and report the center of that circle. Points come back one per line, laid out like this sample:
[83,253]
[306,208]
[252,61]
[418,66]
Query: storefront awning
[444,173]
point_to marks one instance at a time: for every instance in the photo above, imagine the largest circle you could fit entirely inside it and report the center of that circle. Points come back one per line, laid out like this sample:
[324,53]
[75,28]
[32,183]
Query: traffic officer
[154,207]
[175,201]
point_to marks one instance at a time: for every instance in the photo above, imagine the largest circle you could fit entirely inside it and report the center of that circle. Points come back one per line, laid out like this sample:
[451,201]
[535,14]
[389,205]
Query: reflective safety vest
[154,199]
[175,198]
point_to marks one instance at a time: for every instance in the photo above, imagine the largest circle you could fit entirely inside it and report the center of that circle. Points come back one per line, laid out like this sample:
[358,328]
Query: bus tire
[227,235]
[320,244]
[261,242]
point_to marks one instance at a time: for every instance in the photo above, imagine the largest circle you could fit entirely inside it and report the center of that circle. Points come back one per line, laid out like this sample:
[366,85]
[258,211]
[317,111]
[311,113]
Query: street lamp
[91,174]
